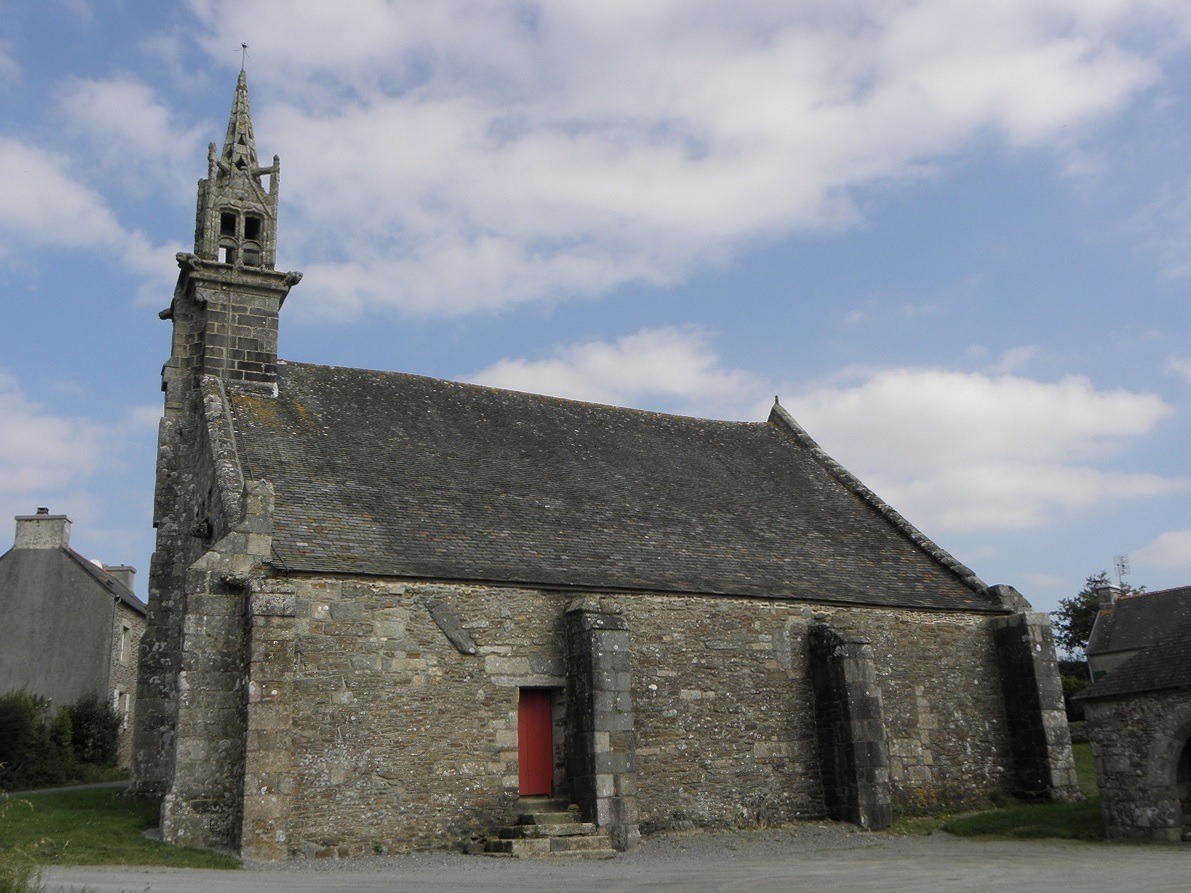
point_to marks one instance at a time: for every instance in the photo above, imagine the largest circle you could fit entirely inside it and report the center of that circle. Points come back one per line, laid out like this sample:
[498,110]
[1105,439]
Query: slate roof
[1139,620]
[1164,665]
[390,474]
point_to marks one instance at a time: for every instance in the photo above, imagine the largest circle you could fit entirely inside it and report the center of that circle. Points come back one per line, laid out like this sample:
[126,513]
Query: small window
[227,224]
[252,227]
[125,632]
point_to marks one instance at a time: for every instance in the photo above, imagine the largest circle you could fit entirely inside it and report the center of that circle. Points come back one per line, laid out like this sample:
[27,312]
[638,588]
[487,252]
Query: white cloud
[48,459]
[9,69]
[1170,550]
[671,369]
[1013,360]
[506,152]
[42,203]
[1165,225]
[1180,367]
[135,135]
[969,451]
[39,451]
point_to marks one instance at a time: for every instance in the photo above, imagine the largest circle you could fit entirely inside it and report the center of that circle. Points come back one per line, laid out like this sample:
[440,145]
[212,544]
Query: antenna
[1121,562]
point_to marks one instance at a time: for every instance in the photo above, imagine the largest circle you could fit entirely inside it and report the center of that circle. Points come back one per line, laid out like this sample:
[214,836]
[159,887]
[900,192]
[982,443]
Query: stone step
[573,856]
[545,804]
[590,843]
[520,848]
[546,818]
[582,854]
[592,847]
[550,829]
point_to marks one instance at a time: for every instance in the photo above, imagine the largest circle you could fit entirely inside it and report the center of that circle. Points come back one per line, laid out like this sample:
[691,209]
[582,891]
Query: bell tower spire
[237,202]
[239,148]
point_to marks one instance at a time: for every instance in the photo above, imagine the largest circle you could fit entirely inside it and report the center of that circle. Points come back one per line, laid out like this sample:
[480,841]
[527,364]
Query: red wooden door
[535,742]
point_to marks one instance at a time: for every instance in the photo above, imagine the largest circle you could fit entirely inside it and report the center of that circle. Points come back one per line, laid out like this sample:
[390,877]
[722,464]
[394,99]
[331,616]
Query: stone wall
[390,736]
[1137,742]
[398,740]
[725,724]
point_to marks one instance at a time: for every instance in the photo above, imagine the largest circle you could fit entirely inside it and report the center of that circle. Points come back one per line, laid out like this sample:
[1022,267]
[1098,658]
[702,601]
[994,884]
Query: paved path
[783,860]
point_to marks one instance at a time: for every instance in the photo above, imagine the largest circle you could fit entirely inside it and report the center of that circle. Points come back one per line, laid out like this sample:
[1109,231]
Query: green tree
[1073,620]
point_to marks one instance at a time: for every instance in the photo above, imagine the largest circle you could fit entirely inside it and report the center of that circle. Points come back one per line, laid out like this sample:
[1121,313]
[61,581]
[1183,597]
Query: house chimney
[123,574]
[42,531]
[1108,595]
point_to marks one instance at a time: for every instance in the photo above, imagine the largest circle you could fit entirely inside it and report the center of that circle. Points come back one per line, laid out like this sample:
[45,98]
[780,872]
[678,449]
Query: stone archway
[1164,795]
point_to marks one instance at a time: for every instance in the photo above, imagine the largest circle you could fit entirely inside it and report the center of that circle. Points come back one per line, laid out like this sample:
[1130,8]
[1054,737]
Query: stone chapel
[386,611]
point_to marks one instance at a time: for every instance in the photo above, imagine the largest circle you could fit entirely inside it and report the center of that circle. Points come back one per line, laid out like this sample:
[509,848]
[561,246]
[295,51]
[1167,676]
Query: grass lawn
[94,827]
[1070,821]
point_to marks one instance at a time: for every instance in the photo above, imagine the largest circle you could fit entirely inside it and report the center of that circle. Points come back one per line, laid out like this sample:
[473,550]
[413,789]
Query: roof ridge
[528,395]
[1174,590]
[108,581]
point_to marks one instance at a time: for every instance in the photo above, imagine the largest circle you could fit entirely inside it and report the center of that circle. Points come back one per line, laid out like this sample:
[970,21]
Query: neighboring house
[1128,623]
[385,608]
[1139,713]
[69,627]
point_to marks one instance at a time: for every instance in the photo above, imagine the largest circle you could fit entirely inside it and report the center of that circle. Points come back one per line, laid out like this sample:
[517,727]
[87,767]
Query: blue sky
[953,236]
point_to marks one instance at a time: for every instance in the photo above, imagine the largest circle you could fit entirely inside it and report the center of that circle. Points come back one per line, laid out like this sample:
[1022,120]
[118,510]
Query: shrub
[95,731]
[24,739]
[40,750]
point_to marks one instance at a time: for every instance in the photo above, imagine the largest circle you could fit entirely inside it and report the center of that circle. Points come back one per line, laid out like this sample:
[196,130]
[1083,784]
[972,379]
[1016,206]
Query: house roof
[1139,619]
[36,569]
[113,586]
[391,474]
[1165,664]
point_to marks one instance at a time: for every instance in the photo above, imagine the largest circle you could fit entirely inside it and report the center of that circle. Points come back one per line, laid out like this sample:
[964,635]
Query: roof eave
[281,565]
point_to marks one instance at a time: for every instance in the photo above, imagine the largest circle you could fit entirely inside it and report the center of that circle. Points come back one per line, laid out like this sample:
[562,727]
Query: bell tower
[226,304]
[237,202]
[224,313]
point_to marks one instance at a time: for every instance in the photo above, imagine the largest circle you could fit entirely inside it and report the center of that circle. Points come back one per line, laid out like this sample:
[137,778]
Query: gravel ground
[805,857]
